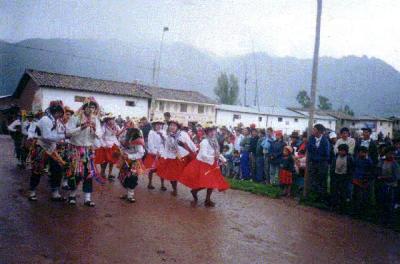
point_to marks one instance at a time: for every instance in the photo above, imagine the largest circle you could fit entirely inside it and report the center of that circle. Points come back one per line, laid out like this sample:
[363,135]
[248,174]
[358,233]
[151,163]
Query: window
[330,122]
[296,120]
[184,108]
[79,99]
[260,119]
[380,123]
[280,119]
[342,122]
[287,123]
[130,103]
[236,116]
[200,109]
[353,124]
[161,106]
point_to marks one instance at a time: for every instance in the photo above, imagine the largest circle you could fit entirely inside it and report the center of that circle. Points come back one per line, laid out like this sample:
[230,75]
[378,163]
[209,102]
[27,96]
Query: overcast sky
[279,27]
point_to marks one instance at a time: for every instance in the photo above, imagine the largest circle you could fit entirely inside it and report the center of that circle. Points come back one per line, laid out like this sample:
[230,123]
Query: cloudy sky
[279,27]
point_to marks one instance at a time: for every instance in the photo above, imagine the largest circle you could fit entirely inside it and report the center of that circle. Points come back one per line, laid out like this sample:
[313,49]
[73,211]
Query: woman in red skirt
[176,154]
[108,153]
[155,146]
[204,172]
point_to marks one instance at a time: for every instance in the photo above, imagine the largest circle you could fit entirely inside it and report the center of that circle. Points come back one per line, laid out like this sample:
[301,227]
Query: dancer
[108,153]
[204,171]
[130,163]
[176,155]
[64,147]
[155,146]
[83,130]
[44,152]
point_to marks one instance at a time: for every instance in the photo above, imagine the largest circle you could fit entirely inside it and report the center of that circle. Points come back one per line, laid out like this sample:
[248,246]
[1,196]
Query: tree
[346,110]
[324,103]
[227,89]
[303,99]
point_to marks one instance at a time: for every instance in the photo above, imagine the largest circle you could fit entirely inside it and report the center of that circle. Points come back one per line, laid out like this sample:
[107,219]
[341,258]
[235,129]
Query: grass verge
[256,188]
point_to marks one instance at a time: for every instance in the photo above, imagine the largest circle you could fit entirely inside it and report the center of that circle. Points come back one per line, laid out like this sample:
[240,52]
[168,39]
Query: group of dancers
[69,146]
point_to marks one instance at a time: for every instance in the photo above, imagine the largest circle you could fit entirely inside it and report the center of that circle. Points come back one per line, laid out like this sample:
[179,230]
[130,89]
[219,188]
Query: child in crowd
[236,164]
[341,173]
[388,175]
[226,167]
[131,166]
[363,172]
[286,170]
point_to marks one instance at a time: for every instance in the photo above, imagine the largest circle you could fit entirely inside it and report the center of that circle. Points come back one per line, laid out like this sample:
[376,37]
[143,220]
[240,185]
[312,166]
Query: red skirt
[150,162]
[171,169]
[199,174]
[107,155]
[285,177]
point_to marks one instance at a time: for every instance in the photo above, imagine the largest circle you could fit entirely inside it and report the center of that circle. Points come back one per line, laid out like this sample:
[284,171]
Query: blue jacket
[266,143]
[320,154]
[276,151]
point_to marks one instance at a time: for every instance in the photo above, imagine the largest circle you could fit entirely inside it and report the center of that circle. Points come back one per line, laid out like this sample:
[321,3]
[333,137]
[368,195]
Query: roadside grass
[275,192]
[256,188]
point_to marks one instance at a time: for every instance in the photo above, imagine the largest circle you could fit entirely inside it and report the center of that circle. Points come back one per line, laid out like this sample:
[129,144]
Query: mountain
[368,85]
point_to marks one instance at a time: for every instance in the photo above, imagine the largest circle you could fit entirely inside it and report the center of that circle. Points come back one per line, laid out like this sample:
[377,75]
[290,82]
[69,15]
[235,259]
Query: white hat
[332,135]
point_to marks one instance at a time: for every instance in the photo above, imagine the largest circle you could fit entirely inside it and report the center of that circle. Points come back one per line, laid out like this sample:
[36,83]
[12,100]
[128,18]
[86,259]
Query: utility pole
[314,76]
[154,71]
[256,99]
[245,84]
[165,29]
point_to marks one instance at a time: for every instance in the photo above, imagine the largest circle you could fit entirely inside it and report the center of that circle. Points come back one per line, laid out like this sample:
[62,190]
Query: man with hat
[83,129]
[44,152]
[155,147]
[345,139]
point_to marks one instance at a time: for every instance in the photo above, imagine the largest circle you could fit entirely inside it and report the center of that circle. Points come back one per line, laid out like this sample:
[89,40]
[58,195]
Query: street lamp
[165,29]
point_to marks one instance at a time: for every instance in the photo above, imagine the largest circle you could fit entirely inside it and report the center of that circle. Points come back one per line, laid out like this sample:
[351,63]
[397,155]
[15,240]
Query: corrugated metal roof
[238,108]
[279,111]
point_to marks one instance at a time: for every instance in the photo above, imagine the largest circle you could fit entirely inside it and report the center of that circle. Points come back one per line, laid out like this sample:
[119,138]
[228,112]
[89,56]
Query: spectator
[345,139]
[259,155]
[145,126]
[236,165]
[286,170]
[370,144]
[245,155]
[238,138]
[266,145]
[295,141]
[363,173]
[341,175]
[275,157]
[253,149]
[318,149]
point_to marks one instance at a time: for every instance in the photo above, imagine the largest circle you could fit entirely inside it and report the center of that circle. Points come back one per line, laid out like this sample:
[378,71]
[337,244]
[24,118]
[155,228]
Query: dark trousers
[259,175]
[130,182]
[360,199]
[56,172]
[245,165]
[318,172]
[18,149]
[266,169]
[87,186]
[385,200]
[340,189]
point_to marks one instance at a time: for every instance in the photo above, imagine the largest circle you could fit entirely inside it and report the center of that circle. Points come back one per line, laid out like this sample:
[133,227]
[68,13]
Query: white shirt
[12,126]
[206,153]
[48,136]
[155,144]
[182,152]
[318,141]
[32,130]
[349,142]
[86,137]
[134,152]
[238,139]
[25,126]
[109,138]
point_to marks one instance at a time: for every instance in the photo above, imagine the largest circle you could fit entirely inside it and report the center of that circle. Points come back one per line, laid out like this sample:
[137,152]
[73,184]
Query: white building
[377,124]
[37,88]
[184,106]
[326,120]
[232,115]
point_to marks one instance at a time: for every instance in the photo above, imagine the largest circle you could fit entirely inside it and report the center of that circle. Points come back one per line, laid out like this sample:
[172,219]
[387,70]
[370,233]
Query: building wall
[385,127]
[115,104]
[225,118]
[288,124]
[30,96]
[329,124]
[159,107]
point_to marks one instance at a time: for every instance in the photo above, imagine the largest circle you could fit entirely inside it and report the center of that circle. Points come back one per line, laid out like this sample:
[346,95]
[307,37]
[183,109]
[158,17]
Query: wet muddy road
[242,228]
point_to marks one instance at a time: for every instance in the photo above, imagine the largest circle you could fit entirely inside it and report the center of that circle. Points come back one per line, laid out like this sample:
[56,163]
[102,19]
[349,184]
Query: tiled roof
[63,81]
[177,95]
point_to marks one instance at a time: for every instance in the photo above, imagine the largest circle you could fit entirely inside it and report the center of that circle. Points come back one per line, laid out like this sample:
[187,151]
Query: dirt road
[242,228]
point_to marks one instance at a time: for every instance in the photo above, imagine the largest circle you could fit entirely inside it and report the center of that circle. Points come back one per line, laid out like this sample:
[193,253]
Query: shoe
[131,200]
[163,188]
[72,200]
[89,204]
[58,199]
[33,198]
[150,187]
[111,178]
[209,204]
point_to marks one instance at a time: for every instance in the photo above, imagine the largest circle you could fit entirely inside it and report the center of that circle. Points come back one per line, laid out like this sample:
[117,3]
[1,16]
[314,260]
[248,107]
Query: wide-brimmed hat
[367,129]
[176,122]
[30,114]
[157,121]
[56,106]
[107,116]
[209,125]
[67,109]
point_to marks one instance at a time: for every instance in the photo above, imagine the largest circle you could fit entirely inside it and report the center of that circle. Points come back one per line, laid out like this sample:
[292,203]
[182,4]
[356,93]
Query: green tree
[324,103]
[303,99]
[227,89]
[346,110]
